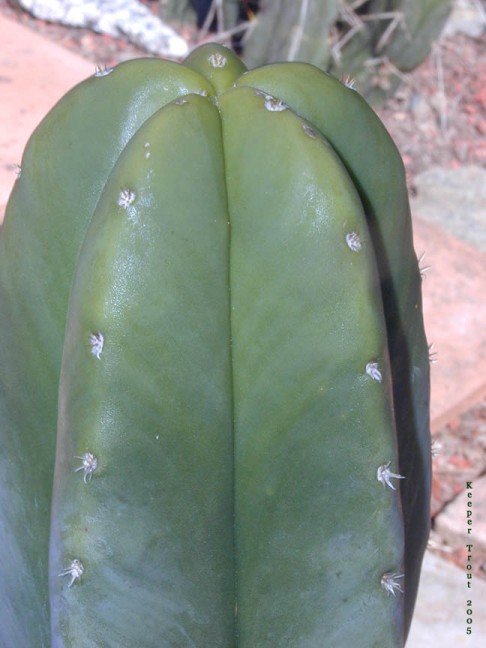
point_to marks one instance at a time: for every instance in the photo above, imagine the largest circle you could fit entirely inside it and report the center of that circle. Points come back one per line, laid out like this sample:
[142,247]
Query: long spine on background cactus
[242,432]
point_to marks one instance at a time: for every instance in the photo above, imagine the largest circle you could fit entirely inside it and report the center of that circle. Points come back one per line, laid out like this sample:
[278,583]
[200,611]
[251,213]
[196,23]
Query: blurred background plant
[372,41]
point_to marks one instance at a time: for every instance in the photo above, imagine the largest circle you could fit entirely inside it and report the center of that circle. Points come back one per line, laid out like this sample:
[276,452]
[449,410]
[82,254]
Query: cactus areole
[214,373]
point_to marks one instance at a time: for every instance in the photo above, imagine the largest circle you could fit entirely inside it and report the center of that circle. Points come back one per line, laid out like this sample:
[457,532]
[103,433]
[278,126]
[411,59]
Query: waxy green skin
[197,217]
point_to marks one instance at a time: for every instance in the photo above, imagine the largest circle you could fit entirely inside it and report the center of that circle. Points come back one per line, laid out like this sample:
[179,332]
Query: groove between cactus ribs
[355,243]
[232,392]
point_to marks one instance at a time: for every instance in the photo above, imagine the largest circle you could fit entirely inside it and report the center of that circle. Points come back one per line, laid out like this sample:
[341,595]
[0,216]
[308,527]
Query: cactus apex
[217,60]
[273,104]
[373,371]
[125,198]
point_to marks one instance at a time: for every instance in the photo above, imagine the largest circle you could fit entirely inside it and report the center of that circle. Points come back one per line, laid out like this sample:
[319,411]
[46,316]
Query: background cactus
[374,41]
[210,304]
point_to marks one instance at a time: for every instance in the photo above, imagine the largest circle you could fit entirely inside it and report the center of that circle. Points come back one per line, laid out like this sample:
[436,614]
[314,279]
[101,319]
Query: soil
[437,118]
[438,115]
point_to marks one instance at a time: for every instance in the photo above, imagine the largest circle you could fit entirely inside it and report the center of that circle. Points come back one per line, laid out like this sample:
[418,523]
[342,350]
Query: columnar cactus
[373,40]
[214,375]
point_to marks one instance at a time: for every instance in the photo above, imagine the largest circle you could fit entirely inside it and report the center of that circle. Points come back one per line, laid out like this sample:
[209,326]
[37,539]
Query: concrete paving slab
[441,613]
[455,200]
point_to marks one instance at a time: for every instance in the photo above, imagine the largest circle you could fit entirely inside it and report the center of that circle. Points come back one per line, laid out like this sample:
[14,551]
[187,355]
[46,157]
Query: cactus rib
[212,319]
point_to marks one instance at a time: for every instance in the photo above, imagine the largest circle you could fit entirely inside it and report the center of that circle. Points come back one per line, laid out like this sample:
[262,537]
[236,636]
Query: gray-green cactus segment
[422,24]
[64,168]
[290,31]
[306,486]
[373,42]
[105,408]
[252,361]
[354,131]
[153,528]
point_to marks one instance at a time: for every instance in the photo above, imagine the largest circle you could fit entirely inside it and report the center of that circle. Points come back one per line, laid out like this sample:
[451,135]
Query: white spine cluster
[89,463]
[217,60]
[125,198]
[96,342]
[353,242]
[390,584]
[384,475]
[373,371]
[74,570]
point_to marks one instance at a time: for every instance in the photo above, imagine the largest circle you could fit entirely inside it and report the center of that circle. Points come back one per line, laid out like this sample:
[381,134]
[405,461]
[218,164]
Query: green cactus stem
[373,41]
[215,378]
